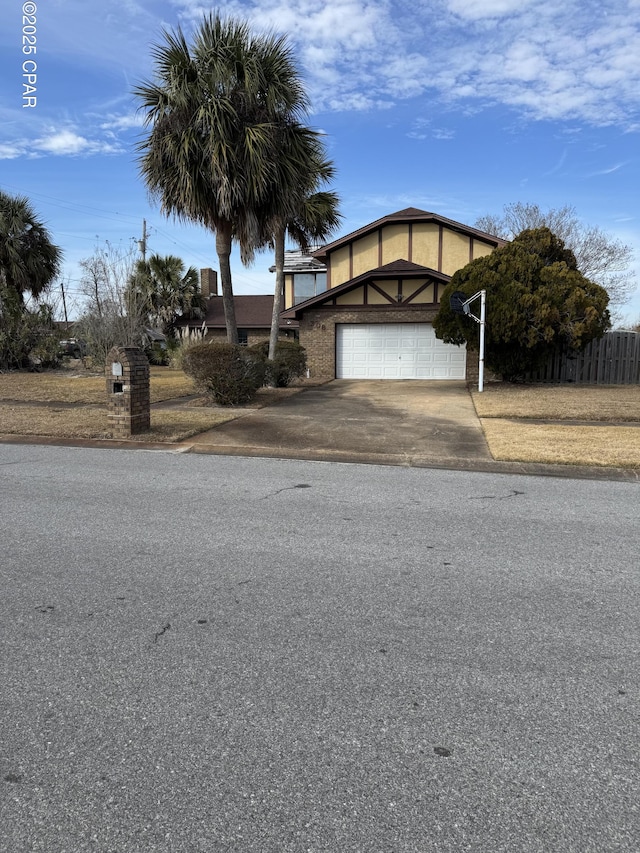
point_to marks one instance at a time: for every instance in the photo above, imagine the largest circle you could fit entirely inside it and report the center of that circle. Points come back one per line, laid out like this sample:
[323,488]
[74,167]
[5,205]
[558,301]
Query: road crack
[161,632]
[287,489]
[512,494]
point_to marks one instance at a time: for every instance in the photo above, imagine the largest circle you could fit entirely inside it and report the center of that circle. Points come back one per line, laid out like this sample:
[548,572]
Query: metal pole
[481,320]
[64,305]
[483,297]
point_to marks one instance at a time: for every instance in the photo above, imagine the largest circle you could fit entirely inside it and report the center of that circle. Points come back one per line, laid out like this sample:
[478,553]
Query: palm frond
[29,261]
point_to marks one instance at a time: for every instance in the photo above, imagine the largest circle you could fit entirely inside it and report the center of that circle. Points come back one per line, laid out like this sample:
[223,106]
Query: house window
[308,284]
[243,337]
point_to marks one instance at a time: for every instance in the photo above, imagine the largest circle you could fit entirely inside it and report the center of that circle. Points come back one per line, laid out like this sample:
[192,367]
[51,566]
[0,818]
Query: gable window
[308,284]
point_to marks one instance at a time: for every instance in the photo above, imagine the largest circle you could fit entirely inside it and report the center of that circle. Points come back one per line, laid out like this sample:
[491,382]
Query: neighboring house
[253,315]
[375,295]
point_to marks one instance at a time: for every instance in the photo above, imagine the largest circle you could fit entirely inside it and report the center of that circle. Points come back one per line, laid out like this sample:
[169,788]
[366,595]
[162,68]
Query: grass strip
[164,384]
[166,425]
[604,446]
[559,402]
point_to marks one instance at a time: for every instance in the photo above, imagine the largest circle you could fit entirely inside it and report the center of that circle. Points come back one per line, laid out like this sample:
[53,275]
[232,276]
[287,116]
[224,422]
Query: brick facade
[318,333]
[208,282]
[394,270]
[128,395]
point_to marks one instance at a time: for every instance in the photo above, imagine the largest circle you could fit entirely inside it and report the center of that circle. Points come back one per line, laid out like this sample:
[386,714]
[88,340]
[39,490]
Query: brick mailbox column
[128,398]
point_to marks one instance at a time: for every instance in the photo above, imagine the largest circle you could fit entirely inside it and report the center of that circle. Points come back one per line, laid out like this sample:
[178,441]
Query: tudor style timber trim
[416,235]
[410,216]
[407,281]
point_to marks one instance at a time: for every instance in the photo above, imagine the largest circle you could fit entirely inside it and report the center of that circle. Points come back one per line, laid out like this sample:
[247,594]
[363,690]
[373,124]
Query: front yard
[71,404]
[562,424]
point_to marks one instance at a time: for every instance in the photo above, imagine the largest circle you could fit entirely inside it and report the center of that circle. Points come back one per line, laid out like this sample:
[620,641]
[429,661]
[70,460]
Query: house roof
[297,261]
[395,269]
[409,214]
[252,312]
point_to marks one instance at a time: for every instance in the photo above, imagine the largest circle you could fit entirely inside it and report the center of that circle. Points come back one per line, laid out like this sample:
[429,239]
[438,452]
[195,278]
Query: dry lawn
[91,422]
[519,441]
[72,404]
[559,402]
[78,386]
[507,413]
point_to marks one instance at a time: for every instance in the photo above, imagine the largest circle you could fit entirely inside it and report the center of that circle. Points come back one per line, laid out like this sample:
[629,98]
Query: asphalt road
[204,653]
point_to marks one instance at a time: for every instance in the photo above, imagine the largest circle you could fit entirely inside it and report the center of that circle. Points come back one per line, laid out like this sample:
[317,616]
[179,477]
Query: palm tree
[214,110]
[317,218]
[166,290]
[296,206]
[29,261]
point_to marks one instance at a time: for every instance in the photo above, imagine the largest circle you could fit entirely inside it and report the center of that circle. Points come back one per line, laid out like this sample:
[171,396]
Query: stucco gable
[403,266]
[408,215]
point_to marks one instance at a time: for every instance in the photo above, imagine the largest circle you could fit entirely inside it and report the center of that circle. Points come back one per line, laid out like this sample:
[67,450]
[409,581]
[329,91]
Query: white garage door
[396,351]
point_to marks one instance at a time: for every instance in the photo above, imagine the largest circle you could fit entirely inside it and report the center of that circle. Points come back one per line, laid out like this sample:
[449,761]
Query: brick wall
[128,395]
[318,333]
[208,282]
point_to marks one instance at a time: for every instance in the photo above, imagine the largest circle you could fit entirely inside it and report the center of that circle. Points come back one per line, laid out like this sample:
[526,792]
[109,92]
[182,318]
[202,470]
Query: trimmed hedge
[290,362]
[229,373]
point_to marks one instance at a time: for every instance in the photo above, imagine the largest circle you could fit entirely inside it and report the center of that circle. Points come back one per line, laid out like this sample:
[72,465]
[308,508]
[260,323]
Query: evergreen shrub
[229,373]
[290,362]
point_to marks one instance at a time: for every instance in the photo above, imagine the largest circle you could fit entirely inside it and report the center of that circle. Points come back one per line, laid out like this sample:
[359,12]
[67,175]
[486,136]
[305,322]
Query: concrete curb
[576,472]
[581,472]
[96,443]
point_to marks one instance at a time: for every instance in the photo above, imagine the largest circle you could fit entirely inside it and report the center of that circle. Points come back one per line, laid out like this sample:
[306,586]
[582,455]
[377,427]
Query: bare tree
[600,257]
[113,314]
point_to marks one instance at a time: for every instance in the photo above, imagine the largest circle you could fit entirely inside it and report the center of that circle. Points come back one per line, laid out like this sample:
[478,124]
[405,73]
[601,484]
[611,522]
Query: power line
[80,208]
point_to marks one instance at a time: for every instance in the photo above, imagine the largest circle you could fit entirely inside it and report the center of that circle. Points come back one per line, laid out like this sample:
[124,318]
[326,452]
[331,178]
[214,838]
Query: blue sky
[453,106]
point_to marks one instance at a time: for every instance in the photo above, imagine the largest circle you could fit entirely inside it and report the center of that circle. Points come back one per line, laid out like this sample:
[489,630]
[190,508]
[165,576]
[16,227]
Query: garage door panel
[395,351]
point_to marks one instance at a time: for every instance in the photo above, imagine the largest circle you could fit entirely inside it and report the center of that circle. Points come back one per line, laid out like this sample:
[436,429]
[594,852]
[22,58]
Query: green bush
[28,338]
[231,374]
[157,354]
[290,362]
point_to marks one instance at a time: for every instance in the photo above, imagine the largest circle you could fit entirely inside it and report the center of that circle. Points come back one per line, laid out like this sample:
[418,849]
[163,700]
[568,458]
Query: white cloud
[58,143]
[123,122]
[62,142]
[610,170]
[422,130]
[443,133]
[578,59]
[476,9]
[12,150]
[572,60]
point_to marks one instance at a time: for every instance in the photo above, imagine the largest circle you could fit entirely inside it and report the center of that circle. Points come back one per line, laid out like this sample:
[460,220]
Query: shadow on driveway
[394,421]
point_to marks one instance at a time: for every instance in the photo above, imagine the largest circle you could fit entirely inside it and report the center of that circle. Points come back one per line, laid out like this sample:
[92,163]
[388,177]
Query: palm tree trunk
[279,237]
[223,249]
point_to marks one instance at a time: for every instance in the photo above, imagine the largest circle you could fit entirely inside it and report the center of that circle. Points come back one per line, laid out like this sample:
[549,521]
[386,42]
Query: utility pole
[142,244]
[64,306]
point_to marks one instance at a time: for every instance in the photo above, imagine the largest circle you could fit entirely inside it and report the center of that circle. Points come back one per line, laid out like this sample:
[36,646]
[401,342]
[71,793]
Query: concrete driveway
[397,422]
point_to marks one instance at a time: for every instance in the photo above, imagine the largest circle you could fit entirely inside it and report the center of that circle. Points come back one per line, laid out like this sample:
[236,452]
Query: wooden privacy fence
[614,359]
